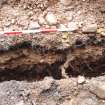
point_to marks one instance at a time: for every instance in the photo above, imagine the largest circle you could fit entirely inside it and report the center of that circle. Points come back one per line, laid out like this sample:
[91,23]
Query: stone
[51,19]
[98,88]
[41,20]
[7,24]
[30,13]
[101,31]
[66,2]
[33,103]
[13,21]
[84,98]
[73,26]
[90,28]
[25,7]
[81,79]
[20,103]
[34,25]
[67,102]
[2,2]
[70,16]
[61,26]
[23,22]
[47,83]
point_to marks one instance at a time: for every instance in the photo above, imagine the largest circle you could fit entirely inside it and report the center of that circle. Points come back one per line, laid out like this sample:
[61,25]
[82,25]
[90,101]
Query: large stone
[90,28]
[81,79]
[51,19]
[98,88]
[84,98]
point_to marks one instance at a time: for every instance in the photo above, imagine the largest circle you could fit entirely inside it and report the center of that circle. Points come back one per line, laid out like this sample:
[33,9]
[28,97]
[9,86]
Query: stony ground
[85,83]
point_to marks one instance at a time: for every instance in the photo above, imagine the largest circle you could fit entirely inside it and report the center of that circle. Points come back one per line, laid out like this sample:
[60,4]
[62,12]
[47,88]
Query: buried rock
[97,88]
[85,98]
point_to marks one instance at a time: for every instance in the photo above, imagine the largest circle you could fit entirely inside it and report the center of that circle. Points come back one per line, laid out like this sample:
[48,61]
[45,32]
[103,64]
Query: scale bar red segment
[13,33]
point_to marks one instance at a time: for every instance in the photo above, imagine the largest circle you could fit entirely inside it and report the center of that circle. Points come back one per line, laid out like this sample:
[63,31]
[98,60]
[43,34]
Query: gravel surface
[50,91]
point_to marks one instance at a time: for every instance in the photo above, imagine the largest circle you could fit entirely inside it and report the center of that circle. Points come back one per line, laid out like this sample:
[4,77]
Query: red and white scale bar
[35,31]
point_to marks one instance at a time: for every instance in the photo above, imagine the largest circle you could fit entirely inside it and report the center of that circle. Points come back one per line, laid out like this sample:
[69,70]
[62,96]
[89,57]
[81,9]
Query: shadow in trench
[32,73]
[86,68]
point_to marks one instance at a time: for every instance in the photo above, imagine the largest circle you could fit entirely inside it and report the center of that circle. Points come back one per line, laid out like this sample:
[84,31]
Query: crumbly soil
[44,69]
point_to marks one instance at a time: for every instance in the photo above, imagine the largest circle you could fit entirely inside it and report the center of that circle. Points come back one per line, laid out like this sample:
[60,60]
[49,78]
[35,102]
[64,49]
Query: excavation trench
[54,53]
[25,63]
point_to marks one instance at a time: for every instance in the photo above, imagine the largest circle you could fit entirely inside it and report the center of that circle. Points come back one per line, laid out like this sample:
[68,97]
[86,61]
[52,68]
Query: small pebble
[34,25]
[7,24]
[61,26]
[20,103]
[25,7]
[70,16]
[81,79]
[23,22]
[66,2]
[51,19]
[30,13]
[41,20]
[13,21]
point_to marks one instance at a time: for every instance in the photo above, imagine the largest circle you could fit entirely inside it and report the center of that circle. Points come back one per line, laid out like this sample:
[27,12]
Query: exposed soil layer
[81,57]
[25,61]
